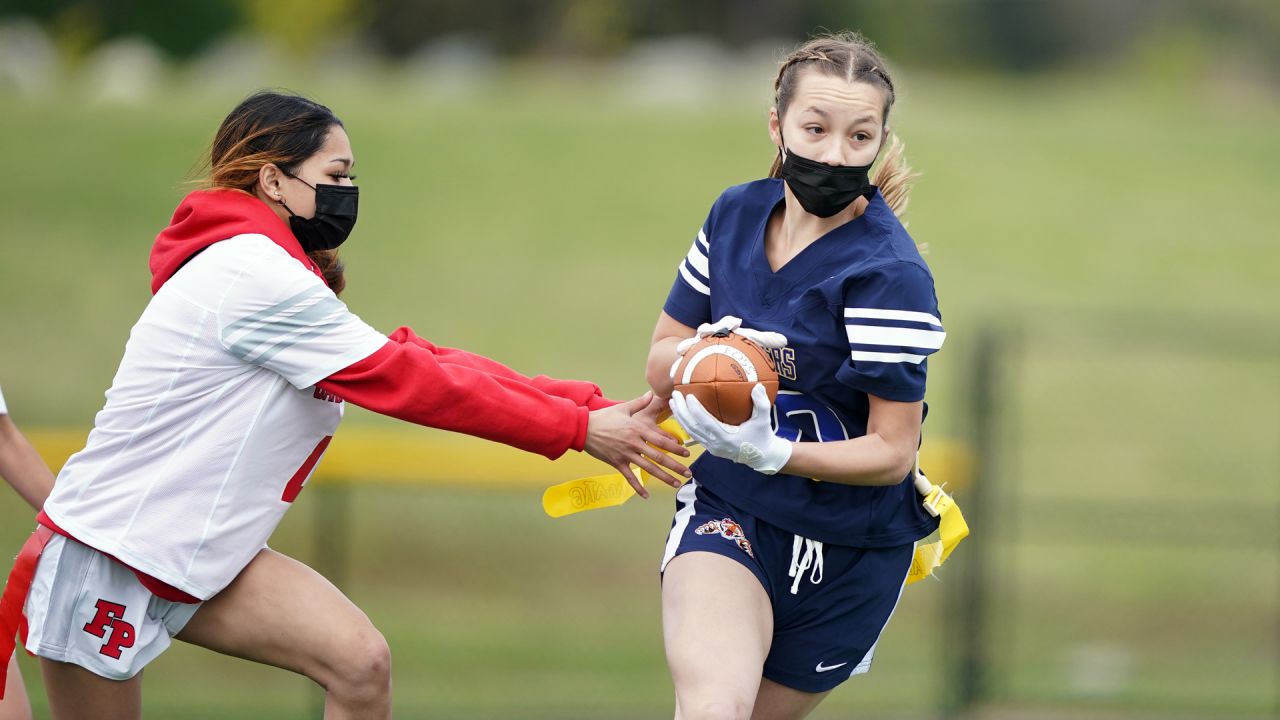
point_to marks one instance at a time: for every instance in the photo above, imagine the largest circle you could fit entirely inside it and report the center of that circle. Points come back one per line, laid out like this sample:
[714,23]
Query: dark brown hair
[850,56]
[276,128]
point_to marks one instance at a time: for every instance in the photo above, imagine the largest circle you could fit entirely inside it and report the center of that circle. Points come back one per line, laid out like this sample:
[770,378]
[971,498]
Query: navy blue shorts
[827,615]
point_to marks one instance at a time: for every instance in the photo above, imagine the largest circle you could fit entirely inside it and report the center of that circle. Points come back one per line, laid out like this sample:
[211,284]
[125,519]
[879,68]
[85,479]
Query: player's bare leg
[779,702]
[15,705]
[78,694]
[280,612]
[715,649]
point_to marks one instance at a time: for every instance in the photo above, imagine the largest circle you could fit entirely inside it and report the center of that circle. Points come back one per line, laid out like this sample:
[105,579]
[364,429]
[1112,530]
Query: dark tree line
[1015,35]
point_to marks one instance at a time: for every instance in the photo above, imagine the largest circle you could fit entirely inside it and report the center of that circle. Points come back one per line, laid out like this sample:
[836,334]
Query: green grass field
[1121,228]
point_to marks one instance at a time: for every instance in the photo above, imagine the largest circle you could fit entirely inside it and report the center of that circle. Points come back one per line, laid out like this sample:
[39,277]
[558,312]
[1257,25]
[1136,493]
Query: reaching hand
[729,324]
[752,443]
[627,434]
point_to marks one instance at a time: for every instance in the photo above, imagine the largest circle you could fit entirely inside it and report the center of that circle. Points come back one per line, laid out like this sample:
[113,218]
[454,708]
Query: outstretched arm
[583,394]
[411,382]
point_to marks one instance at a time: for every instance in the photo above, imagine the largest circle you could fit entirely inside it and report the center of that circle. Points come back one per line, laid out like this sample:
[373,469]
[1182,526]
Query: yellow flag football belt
[603,491]
[951,528]
[600,491]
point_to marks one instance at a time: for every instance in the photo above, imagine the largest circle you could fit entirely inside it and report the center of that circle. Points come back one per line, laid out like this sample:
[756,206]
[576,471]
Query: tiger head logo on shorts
[729,530]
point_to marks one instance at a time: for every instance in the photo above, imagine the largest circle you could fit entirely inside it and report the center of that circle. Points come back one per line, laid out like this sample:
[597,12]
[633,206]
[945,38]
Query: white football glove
[752,443]
[729,324]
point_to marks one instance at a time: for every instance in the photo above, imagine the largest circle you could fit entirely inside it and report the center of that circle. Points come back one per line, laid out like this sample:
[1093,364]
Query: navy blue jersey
[861,317]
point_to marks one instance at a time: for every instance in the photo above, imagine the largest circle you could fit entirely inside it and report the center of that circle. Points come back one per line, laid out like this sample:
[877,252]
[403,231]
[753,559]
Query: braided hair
[850,56]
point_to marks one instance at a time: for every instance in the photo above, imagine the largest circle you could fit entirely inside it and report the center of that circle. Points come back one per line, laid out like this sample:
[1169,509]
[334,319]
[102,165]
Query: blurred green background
[1097,202]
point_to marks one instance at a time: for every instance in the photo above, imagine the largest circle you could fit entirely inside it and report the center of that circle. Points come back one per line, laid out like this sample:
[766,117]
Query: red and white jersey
[213,421]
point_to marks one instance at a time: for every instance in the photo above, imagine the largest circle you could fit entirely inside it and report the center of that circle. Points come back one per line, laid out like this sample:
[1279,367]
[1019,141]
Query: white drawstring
[812,557]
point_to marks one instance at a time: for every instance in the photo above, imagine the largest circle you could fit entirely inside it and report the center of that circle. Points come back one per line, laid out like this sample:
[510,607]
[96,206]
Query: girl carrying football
[791,544]
[232,384]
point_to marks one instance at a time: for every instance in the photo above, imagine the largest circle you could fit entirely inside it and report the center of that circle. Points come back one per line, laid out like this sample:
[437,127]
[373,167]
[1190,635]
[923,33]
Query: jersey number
[800,418]
[300,478]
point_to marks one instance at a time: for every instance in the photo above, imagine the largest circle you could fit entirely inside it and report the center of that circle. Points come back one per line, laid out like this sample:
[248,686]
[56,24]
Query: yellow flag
[599,491]
[588,493]
[951,529]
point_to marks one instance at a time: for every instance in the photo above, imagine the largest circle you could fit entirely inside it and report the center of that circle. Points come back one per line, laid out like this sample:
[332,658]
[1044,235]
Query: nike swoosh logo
[825,668]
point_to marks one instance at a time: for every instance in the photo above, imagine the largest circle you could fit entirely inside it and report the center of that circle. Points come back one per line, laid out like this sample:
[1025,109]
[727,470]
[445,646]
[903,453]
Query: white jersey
[213,421]
[4,410]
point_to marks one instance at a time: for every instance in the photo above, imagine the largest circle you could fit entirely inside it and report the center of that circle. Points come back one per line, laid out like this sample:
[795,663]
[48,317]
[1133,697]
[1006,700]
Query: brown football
[721,370]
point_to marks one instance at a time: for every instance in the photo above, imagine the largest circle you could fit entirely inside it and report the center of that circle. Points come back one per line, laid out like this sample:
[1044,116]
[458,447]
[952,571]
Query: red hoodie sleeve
[583,394]
[410,381]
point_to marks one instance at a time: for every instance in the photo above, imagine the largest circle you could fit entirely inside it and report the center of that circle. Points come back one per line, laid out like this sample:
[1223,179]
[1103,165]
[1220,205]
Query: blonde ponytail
[894,176]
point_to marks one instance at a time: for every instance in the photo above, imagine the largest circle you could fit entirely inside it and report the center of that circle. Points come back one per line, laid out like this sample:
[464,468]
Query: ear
[270,181]
[775,127]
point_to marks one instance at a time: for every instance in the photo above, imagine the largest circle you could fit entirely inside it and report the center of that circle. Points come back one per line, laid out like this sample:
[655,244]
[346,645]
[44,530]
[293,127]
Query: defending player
[231,386]
[23,469]
[791,544]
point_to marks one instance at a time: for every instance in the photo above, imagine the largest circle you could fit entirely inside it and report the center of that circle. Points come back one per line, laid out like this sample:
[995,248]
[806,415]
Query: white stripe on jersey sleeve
[895,337]
[694,282]
[888,357]
[878,314]
[698,260]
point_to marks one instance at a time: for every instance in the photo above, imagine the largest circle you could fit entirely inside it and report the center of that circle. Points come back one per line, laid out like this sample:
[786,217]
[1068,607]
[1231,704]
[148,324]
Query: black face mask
[822,189]
[335,216]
